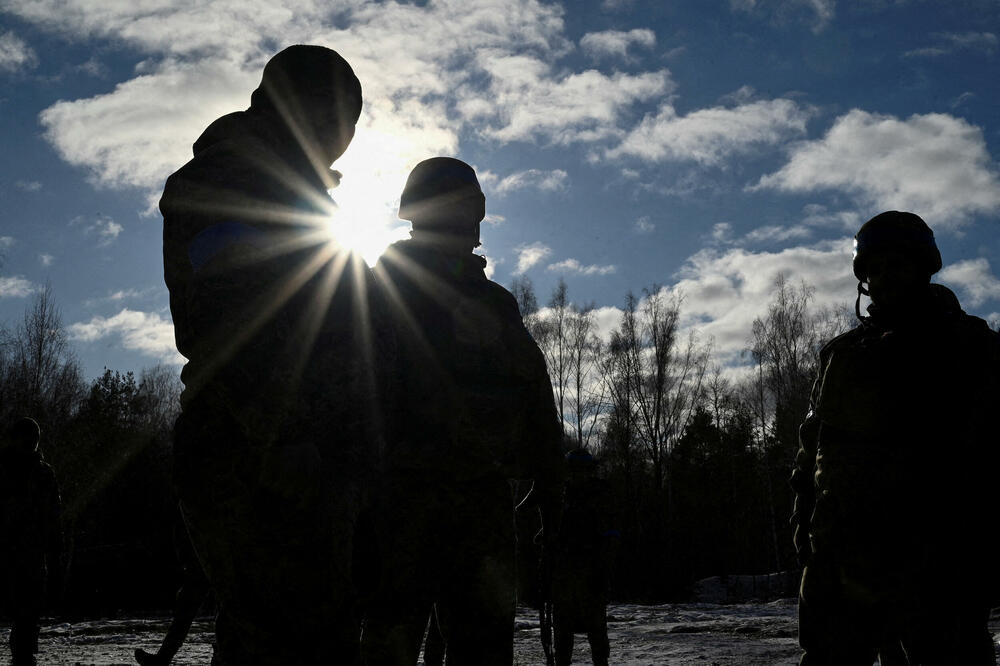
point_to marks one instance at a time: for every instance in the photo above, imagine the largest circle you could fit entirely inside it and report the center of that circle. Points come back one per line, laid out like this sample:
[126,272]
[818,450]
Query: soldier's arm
[802,480]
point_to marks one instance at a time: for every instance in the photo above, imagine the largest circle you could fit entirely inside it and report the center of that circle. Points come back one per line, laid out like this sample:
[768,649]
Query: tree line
[697,459]
[108,441]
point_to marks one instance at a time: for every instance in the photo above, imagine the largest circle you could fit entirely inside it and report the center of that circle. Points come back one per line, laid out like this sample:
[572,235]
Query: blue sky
[703,145]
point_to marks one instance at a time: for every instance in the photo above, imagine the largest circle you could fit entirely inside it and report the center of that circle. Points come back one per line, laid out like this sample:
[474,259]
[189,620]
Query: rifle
[545,607]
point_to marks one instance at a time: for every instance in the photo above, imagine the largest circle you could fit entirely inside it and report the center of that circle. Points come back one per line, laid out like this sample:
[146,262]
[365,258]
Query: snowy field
[674,634]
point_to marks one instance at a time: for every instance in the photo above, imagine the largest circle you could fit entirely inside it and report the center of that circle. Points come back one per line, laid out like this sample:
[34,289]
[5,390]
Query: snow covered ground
[674,634]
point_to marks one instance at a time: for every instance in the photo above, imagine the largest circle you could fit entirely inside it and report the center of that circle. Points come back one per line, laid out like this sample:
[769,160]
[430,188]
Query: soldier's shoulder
[846,339]
[502,297]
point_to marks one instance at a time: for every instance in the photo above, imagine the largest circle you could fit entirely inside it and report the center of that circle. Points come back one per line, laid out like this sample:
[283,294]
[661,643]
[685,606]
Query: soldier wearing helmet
[885,496]
[584,548]
[476,410]
[279,426]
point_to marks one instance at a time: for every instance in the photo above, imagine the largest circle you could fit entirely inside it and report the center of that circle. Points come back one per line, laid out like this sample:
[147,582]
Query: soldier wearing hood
[476,409]
[279,424]
[31,542]
[892,520]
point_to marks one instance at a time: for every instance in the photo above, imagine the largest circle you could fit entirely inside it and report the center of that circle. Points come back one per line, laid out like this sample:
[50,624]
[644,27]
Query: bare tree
[42,375]
[587,386]
[665,378]
[160,389]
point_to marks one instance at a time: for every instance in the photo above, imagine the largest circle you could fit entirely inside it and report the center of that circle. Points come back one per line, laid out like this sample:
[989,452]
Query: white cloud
[103,228]
[6,241]
[722,232]
[533,100]
[16,286]
[574,266]
[974,278]
[429,72]
[15,54]
[817,215]
[644,225]
[725,290]
[935,165]
[28,185]
[45,260]
[530,254]
[547,181]
[709,136]
[616,42]
[144,332]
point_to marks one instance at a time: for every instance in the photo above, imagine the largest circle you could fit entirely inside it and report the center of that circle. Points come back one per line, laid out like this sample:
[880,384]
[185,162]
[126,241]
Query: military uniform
[892,487]
[279,432]
[478,410]
[30,544]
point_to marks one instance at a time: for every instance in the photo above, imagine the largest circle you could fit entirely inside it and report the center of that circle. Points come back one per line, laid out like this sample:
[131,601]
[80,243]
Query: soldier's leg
[562,641]
[280,567]
[832,631]
[600,648]
[397,610]
[477,605]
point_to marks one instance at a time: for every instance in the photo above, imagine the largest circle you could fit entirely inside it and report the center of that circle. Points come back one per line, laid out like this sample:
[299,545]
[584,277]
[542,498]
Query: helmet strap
[857,303]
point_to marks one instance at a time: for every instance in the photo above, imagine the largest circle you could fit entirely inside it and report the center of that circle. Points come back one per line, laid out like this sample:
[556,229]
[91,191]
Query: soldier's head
[314,92]
[442,198]
[895,254]
[580,464]
[23,435]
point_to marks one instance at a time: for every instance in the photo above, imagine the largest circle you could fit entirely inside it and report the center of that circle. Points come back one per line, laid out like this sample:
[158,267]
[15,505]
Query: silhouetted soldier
[279,426]
[30,537]
[476,410]
[584,549]
[897,461]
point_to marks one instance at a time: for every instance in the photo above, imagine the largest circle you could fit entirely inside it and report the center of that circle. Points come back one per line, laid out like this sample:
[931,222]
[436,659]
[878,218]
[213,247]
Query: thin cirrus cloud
[935,165]
[946,43]
[145,332]
[546,181]
[709,136]
[574,266]
[529,255]
[15,54]
[819,13]
[615,43]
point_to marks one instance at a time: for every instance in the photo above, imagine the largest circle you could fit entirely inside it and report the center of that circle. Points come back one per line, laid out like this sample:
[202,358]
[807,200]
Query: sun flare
[367,198]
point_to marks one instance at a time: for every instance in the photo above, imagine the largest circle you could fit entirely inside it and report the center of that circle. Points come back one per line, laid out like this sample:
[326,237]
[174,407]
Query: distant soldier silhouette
[476,409]
[30,536]
[584,549]
[279,423]
[898,459]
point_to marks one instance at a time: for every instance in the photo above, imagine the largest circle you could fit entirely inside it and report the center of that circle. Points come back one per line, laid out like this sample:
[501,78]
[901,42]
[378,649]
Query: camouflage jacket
[475,397]
[281,328]
[898,449]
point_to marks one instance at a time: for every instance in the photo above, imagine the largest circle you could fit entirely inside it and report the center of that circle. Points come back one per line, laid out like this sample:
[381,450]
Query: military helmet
[898,230]
[440,192]
[24,434]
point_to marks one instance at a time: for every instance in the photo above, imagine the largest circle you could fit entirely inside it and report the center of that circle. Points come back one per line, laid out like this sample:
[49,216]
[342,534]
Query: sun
[364,219]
